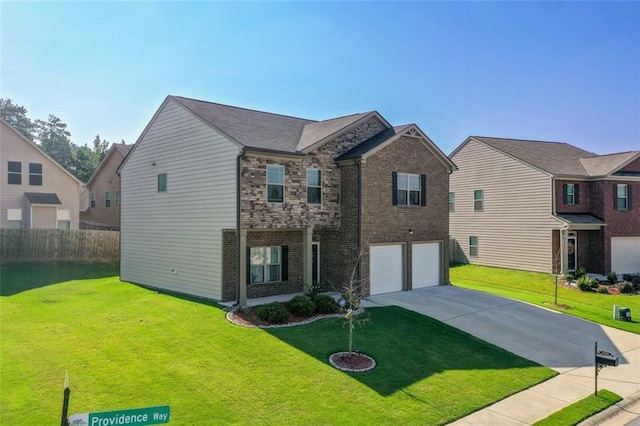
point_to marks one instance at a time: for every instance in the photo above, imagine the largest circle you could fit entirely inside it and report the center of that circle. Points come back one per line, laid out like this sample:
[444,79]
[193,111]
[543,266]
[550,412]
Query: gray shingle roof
[554,157]
[42,198]
[317,131]
[124,149]
[580,219]
[603,165]
[359,150]
[250,128]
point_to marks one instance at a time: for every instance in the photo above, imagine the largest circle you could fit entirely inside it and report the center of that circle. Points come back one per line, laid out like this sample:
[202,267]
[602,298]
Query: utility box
[624,314]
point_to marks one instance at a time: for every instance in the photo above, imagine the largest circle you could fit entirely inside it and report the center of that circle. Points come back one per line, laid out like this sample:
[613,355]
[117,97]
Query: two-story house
[545,206]
[229,203]
[103,209]
[36,191]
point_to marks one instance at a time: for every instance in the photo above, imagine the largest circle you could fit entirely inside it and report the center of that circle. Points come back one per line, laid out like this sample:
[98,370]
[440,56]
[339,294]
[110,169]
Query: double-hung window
[478,200]
[452,201]
[35,174]
[409,189]
[571,194]
[621,196]
[107,199]
[117,197]
[93,199]
[162,182]
[14,218]
[314,186]
[275,183]
[473,246]
[14,176]
[265,264]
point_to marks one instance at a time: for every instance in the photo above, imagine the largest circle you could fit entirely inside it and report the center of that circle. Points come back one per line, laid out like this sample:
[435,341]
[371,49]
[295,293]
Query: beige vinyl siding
[173,240]
[106,180]
[54,180]
[514,228]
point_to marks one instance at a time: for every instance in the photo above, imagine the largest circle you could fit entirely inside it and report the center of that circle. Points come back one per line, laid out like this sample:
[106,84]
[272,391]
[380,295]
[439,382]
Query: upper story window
[117,197]
[571,193]
[35,174]
[265,264]
[14,176]
[409,189]
[314,186]
[621,197]
[93,199]
[275,183]
[107,199]
[452,201]
[162,182]
[478,200]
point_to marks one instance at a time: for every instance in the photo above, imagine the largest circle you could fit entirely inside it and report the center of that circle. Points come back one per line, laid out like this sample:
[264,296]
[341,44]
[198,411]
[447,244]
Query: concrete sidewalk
[558,341]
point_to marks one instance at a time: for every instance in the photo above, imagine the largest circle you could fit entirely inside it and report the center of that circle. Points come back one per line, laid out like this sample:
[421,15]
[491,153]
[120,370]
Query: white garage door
[385,269]
[425,265]
[625,254]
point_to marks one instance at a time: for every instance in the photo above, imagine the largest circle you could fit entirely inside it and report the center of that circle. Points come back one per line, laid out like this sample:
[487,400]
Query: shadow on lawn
[408,347]
[18,277]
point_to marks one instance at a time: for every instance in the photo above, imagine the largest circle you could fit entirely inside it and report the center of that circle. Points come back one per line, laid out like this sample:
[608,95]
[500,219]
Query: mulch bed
[248,317]
[354,362]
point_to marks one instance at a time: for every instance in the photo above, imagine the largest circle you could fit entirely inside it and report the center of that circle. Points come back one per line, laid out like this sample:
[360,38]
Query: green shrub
[636,282]
[603,290]
[312,290]
[274,312]
[612,277]
[301,306]
[579,273]
[626,287]
[585,283]
[326,304]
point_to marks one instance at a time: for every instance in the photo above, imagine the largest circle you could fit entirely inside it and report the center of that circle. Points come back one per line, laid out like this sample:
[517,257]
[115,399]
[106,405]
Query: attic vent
[412,132]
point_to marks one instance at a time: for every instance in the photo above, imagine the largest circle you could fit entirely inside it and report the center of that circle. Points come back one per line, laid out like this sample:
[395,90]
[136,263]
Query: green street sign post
[134,417]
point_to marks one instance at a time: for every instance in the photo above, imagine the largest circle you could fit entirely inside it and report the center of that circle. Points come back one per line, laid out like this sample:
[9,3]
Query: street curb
[614,410]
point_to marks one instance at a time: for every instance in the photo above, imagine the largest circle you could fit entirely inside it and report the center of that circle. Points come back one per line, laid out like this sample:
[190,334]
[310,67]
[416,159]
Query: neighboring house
[545,206]
[36,191]
[229,203]
[103,209]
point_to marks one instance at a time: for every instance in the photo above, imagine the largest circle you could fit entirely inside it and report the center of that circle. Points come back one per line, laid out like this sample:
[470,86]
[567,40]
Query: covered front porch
[579,243]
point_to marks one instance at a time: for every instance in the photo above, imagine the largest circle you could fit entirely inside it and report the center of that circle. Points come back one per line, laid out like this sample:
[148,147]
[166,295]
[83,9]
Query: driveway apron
[558,341]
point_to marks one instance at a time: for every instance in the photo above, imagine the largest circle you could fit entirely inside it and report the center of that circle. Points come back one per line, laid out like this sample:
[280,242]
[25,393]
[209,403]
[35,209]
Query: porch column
[564,256]
[242,273]
[307,270]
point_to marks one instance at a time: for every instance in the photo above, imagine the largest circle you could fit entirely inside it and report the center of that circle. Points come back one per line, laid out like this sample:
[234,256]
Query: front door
[315,262]
[572,252]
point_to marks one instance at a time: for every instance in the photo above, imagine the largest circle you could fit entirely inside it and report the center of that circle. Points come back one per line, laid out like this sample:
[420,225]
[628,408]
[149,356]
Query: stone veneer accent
[294,212]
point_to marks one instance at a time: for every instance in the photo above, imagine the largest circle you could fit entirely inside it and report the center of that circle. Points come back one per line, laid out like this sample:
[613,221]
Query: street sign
[135,417]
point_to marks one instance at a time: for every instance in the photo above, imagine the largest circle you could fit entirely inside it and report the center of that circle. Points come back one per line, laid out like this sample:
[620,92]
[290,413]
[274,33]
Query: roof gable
[318,132]
[389,136]
[116,149]
[604,165]
[40,151]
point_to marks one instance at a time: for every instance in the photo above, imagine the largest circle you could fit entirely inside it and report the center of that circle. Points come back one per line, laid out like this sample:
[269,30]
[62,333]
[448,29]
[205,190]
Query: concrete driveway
[561,342]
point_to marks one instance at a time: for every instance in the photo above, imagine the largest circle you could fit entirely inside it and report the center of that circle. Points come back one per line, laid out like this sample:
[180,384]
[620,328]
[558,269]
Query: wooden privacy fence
[42,245]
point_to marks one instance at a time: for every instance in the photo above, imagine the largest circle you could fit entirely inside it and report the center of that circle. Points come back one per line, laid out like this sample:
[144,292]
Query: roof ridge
[524,140]
[242,108]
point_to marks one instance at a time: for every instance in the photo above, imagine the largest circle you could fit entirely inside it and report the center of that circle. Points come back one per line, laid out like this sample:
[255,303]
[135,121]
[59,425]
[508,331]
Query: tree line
[53,138]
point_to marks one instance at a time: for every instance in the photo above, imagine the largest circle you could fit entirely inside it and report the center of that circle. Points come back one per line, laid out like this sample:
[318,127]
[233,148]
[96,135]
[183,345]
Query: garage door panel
[386,269]
[625,255]
[425,265]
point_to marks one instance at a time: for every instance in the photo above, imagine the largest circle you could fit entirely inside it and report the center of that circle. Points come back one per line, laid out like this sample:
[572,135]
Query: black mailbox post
[603,359]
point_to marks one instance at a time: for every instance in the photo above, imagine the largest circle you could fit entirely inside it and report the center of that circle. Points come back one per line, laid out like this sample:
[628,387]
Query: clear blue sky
[559,71]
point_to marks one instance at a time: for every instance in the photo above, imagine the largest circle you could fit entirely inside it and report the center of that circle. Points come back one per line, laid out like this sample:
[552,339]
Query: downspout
[238,254]
[359,238]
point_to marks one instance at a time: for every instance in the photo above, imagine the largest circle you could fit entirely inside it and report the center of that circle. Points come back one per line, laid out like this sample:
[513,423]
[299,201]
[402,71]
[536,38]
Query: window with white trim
[64,219]
[14,175]
[409,189]
[473,246]
[14,218]
[478,200]
[117,197]
[107,199]
[452,201]
[265,264]
[275,183]
[35,174]
[621,196]
[314,186]
[93,198]
[571,194]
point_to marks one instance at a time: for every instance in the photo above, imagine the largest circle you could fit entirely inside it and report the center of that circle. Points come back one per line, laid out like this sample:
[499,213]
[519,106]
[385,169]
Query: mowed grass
[129,347]
[538,288]
[581,410]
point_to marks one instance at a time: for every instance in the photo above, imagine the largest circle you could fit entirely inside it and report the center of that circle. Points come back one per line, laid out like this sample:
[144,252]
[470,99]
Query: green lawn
[581,410]
[539,289]
[129,347]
